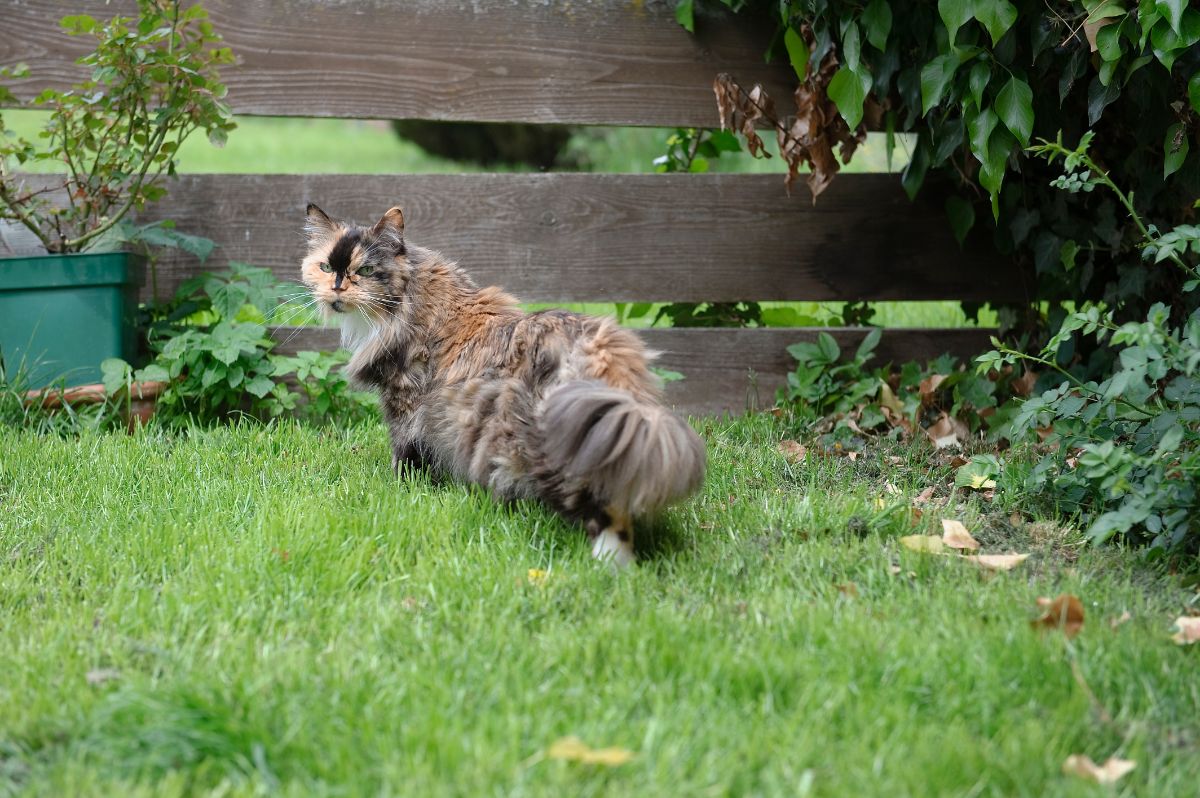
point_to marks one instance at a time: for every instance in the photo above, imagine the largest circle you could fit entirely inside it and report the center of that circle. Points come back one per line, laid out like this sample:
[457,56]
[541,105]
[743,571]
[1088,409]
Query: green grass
[280,614]
[346,146]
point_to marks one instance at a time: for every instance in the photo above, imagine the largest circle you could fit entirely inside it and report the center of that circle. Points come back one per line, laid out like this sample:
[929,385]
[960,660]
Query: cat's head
[352,268]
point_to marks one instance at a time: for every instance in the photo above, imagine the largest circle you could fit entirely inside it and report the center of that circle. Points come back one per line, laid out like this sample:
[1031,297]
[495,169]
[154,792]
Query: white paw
[608,546]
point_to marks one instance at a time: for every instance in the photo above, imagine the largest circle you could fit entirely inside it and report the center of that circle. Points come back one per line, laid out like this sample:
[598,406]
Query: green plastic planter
[60,315]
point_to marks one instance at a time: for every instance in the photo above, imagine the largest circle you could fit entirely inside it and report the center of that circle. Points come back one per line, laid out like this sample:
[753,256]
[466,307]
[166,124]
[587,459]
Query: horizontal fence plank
[614,238]
[608,62]
[734,370]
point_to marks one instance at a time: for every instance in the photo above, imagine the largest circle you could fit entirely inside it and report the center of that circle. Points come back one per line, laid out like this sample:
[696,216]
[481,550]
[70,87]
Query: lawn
[255,609]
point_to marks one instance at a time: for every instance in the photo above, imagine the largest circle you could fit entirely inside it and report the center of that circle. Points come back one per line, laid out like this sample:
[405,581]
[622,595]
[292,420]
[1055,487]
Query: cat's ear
[392,222]
[317,225]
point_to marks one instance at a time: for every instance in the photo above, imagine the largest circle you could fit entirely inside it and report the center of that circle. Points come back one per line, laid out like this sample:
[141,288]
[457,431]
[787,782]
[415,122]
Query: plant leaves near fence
[1064,612]
[1108,773]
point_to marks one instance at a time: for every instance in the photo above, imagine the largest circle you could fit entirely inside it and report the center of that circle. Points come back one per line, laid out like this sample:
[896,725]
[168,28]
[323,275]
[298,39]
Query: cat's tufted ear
[392,222]
[317,225]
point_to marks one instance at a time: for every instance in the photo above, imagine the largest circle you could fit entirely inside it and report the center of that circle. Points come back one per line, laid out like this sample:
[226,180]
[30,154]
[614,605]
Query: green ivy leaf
[1175,149]
[685,15]
[797,52]
[848,90]
[962,217]
[1194,91]
[1108,42]
[1067,254]
[995,15]
[852,46]
[981,73]
[980,130]
[877,19]
[1172,11]
[935,79]
[954,14]
[1014,104]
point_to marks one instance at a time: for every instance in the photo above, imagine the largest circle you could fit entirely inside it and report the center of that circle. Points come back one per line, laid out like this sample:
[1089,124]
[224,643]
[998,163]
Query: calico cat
[552,405]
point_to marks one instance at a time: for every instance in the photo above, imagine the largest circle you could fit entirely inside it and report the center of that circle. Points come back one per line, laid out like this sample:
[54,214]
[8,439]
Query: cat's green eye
[325,267]
[365,271]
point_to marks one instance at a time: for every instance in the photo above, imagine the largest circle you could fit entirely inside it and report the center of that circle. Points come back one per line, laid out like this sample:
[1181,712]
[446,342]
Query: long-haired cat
[550,405]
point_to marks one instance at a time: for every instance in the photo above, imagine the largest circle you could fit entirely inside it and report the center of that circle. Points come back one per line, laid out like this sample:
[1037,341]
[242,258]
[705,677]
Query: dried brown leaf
[848,589]
[924,496]
[956,536]
[1124,617]
[793,451]
[1063,612]
[1023,385]
[942,432]
[1108,773]
[928,387]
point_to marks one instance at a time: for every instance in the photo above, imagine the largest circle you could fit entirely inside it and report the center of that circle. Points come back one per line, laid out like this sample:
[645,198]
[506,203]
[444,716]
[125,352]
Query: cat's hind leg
[611,534]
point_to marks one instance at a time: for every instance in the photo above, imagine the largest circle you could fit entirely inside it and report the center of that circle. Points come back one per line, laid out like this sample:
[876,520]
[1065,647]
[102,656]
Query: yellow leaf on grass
[575,750]
[981,482]
[956,536]
[1083,767]
[1189,631]
[536,576]
[930,544]
[997,562]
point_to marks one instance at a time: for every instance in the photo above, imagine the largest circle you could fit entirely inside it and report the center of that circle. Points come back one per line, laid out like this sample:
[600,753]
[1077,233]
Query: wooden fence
[556,237]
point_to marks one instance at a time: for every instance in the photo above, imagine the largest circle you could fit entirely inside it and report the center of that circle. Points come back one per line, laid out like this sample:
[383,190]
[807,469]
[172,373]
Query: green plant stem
[1074,380]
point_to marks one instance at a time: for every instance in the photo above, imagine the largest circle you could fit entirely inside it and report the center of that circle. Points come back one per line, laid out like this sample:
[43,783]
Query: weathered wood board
[606,62]
[614,238]
[731,371]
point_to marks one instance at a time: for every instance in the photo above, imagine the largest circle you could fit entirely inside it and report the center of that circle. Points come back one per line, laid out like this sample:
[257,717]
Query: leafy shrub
[153,82]
[1125,446]
[975,81]
[942,401]
[211,346]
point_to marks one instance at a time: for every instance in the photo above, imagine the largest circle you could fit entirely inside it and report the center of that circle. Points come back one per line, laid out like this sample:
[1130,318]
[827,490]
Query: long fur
[550,405]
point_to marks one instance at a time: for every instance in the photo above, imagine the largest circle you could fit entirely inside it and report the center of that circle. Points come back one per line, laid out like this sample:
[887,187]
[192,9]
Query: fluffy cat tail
[634,456]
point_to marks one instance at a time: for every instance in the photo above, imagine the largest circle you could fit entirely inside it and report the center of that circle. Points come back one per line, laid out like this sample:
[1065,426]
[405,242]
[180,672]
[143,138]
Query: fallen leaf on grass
[924,496]
[956,536]
[931,544]
[1108,773]
[997,562]
[1113,623]
[101,676]
[1189,630]
[947,431]
[848,589]
[536,576]
[792,451]
[1063,612]
[575,750]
